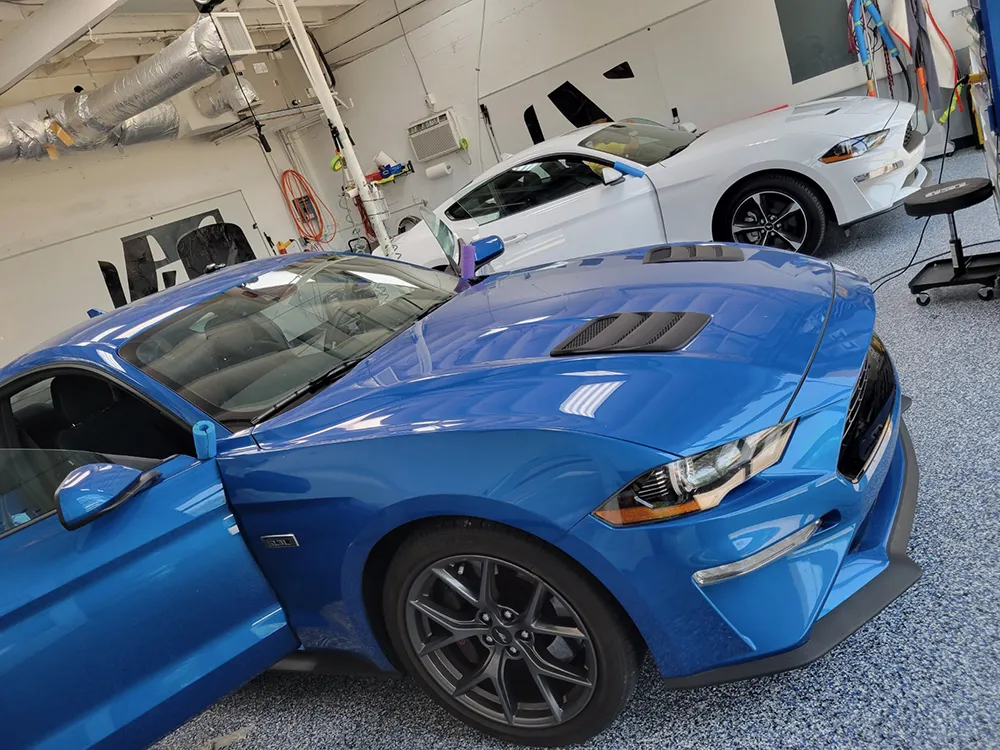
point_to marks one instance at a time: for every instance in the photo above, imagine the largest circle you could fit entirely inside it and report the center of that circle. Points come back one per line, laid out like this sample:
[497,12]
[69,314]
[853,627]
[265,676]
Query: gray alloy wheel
[500,641]
[771,218]
[777,210]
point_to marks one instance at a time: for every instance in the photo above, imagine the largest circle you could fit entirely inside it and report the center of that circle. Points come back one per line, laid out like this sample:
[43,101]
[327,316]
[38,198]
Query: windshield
[239,352]
[644,143]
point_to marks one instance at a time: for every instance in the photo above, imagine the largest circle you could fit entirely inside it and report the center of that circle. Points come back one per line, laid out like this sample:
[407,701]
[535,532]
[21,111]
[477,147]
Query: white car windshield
[644,143]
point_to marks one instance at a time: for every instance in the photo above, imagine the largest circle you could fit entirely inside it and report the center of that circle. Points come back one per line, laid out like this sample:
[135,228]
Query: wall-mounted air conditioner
[435,136]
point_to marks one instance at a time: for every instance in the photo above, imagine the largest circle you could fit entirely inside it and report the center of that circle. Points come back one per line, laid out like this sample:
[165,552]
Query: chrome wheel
[770,218]
[500,641]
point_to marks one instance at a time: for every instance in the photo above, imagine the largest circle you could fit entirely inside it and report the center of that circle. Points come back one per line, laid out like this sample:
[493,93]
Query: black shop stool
[947,198]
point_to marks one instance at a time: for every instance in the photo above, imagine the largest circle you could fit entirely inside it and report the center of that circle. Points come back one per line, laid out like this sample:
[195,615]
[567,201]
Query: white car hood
[418,246]
[841,116]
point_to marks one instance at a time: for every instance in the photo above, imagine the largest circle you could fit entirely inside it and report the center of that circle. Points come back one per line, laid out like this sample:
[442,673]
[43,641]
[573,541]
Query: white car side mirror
[612,176]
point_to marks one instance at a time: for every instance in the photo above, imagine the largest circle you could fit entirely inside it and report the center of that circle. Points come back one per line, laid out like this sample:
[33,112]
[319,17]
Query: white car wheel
[777,211]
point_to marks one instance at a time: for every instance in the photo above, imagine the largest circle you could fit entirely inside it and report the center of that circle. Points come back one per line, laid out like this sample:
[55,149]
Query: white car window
[526,186]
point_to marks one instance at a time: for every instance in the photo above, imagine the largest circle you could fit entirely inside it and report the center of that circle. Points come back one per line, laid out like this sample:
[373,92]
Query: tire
[600,648]
[801,231]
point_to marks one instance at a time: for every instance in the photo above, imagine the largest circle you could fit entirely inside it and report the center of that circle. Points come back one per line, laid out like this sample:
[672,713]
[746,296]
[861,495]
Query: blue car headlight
[696,483]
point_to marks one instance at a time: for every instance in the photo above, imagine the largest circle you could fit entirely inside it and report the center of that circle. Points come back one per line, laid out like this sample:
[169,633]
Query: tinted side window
[28,482]
[535,184]
[80,412]
[526,186]
[481,204]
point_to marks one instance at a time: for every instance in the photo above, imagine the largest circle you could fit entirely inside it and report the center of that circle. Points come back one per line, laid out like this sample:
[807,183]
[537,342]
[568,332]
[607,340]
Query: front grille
[912,139]
[868,413]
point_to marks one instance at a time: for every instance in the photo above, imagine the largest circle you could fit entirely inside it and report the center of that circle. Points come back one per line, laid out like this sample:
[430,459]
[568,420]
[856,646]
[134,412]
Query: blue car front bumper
[874,573]
[792,610]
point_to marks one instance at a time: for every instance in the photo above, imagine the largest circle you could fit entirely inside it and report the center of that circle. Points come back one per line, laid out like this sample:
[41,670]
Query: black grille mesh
[590,332]
[634,332]
[868,413]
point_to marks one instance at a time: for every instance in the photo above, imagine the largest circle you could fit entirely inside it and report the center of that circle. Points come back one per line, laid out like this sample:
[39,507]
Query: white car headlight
[697,483]
[854,147]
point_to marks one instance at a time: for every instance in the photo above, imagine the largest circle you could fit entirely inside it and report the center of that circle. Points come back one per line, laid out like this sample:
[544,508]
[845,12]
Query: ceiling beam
[11,13]
[69,59]
[157,25]
[47,32]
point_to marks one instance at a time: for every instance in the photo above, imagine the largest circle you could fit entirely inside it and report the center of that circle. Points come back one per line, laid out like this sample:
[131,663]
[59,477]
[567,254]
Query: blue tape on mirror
[628,169]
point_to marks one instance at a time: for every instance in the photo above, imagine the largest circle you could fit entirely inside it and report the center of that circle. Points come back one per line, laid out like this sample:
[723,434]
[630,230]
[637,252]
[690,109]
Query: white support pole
[307,54]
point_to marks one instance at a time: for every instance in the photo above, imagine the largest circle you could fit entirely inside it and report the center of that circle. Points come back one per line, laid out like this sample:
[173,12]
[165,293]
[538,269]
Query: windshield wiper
[424,313]
[318,382]
[334,373]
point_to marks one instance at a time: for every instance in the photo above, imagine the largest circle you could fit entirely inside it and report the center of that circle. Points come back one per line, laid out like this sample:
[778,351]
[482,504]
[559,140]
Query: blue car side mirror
[487,249]
[89,492]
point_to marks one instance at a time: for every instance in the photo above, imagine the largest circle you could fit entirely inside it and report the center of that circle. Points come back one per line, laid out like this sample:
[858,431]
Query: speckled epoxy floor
[924,674]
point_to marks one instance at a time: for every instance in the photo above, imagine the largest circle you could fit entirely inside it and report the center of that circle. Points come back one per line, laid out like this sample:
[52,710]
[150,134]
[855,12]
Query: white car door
[556,208]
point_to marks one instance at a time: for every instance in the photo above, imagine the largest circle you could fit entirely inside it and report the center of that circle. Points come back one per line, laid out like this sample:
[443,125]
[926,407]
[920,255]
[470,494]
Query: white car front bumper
[878,182]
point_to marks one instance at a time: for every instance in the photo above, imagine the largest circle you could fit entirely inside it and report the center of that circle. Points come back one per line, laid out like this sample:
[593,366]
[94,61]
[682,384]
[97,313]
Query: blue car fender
[339,499]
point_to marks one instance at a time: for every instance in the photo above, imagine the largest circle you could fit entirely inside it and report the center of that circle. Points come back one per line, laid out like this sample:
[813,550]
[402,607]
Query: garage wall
[522,37]
[46,206]
[717,60]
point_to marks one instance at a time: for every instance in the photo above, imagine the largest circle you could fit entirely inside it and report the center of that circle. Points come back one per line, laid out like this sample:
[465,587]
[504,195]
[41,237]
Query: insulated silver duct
[229,93]
[161,123]
[110,113]
[192,57]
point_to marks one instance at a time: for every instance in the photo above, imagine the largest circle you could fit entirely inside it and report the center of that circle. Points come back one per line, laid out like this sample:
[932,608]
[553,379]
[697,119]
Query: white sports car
[776,179]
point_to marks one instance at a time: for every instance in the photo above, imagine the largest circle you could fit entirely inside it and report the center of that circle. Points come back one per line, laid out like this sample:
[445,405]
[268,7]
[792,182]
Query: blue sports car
[510,487]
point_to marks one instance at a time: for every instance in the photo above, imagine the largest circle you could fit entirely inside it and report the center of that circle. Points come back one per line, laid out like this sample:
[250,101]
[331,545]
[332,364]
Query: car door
[115,633]
[556,208]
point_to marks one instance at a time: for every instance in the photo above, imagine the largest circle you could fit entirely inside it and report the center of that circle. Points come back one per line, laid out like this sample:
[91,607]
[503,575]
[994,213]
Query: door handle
[513,238]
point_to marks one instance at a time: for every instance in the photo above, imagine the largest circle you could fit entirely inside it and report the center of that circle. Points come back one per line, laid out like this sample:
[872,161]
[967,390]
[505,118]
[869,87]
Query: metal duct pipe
[228,93]
[161,123]
[113,113]
[23,137]
[23,131]
[192,57]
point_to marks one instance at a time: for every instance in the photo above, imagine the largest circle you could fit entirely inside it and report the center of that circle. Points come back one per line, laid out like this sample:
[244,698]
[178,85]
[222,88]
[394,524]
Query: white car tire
[776,210]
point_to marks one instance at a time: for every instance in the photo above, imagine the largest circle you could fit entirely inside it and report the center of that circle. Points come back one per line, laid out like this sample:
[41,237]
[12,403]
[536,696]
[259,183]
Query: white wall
[44,205]
[45,202]
[719,59]
[522,37]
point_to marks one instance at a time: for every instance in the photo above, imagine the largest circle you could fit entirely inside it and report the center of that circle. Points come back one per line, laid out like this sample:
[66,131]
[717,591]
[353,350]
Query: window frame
[582,156]
[23,380]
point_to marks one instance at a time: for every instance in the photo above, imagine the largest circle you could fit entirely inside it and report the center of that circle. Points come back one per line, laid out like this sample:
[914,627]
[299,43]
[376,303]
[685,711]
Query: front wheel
[776,211]
[508,635]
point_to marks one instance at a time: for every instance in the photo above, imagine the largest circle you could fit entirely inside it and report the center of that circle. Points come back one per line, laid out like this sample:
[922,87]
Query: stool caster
[986,293]
[923,299]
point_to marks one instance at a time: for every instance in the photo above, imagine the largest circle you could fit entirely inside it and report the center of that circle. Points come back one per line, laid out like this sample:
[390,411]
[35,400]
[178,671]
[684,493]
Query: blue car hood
[482,361]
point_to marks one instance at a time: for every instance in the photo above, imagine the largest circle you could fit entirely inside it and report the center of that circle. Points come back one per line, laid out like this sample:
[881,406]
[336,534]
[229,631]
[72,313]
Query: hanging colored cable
[365,220]
[307,208]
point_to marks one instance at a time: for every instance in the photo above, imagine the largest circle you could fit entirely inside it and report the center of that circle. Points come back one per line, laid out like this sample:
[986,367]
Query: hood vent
[674,253]
[634,332]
